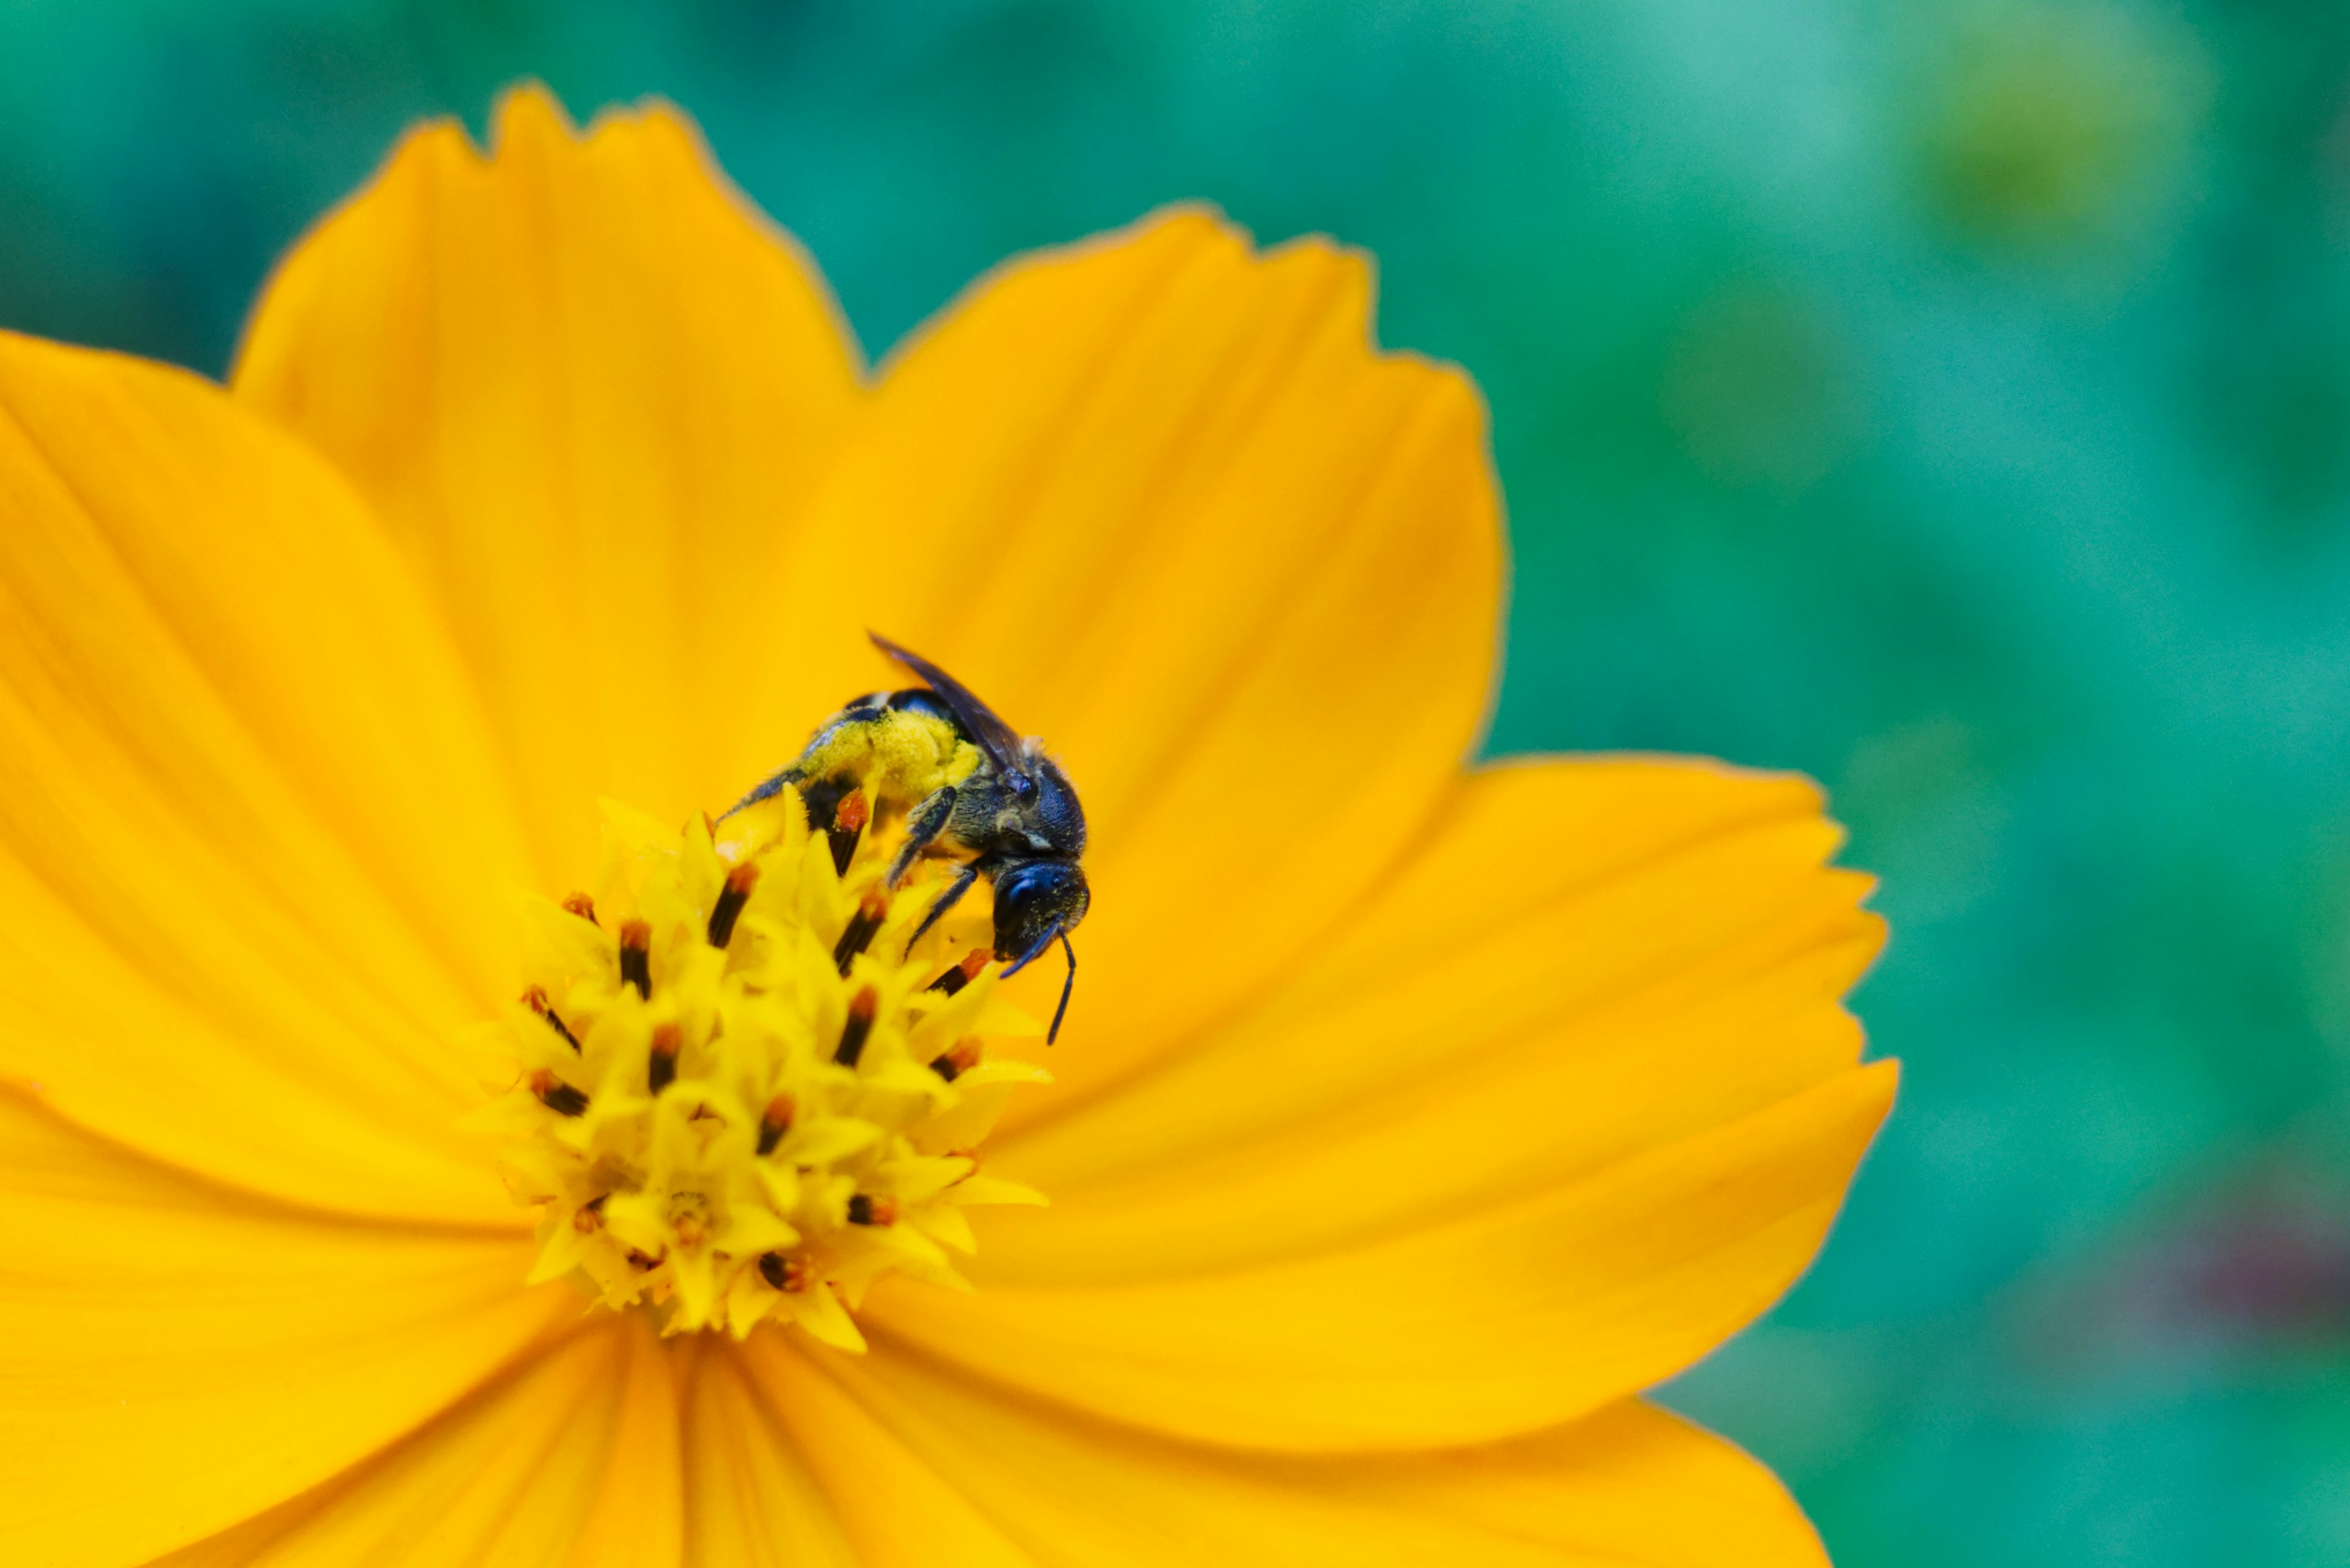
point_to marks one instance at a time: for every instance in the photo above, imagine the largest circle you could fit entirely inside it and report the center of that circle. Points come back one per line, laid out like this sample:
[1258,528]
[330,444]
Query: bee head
[1035,901]
[1051,804]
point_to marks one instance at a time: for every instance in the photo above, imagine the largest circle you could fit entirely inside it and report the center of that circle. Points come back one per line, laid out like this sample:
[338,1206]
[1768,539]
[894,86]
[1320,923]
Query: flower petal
[750,1501]
[568,1462]
[253,841]
[1587,958]
[586,387]
[1159,500]
[1630,1486]
[179,1357]
[1495,1323]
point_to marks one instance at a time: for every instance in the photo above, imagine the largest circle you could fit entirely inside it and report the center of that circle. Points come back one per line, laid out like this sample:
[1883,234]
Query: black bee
[969,787]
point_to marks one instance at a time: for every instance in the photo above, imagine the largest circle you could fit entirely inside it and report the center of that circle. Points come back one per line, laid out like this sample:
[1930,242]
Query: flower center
[741,1096]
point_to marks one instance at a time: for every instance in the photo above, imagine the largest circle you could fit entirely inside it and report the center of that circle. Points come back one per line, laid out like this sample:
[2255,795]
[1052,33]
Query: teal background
[1952,400]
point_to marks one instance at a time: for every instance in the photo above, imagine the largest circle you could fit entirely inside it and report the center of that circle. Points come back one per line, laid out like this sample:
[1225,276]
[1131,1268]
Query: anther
[556,1095]
[861,1008]
[848,820]
[536,1000]
[581,905]
[870,912]
[590,1215]
[775,1121]
[689,1229]
[785,1273]
[963,974]
[864,1210]
[955,1063]
[731,900]
[668,1041]
[637,956]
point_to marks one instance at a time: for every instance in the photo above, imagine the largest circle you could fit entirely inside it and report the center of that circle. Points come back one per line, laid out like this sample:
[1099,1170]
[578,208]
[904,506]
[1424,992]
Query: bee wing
[999,740]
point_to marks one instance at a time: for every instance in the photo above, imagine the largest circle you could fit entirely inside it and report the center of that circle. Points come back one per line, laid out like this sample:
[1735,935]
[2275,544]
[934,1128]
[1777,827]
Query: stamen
[780,1185]
[963,974]
[776,1122]
[556,1095]
[536,1000]
[854,938]
[668,1041]
[848,820]
[731,900]
[637,956]
[955,1063]
[861,1009]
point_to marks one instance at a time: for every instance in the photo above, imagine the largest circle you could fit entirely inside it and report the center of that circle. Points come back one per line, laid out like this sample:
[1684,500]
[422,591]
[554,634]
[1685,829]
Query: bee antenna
[1035,949]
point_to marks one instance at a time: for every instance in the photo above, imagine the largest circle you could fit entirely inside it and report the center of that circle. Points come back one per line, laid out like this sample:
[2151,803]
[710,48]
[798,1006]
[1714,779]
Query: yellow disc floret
[737,1094]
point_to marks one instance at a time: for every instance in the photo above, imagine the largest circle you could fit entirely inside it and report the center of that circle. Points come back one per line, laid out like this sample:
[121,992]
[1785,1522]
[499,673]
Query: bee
[970,787]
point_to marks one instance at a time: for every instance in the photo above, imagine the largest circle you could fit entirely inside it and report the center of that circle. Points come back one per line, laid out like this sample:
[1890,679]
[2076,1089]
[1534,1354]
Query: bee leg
[766,789]
[945,901]
[923,827]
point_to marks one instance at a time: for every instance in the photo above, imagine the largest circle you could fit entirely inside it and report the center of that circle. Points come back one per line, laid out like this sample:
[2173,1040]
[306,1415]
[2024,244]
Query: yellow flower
[1411,1117]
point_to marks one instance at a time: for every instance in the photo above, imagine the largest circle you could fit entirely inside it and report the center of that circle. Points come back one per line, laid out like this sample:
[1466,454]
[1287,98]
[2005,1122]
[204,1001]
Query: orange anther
[866,1211]
[852,813]
[581,905]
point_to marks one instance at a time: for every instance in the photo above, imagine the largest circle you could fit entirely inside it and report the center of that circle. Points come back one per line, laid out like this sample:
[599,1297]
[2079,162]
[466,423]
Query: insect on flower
[973,787]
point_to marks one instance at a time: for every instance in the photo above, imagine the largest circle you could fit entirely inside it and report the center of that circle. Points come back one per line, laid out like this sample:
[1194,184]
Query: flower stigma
[736,1095]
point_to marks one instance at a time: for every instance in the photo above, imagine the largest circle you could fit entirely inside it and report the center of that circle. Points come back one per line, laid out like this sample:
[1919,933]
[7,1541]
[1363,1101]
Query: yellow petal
[750,1500]
[1156,498]
[252,831]
[1630,1486]
[587,387]
[568,1462]
[1494,1323]
[1586,959]
[179,1357]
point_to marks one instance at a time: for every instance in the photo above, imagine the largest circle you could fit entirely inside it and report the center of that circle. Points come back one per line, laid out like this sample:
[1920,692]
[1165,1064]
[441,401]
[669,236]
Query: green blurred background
[1950,399]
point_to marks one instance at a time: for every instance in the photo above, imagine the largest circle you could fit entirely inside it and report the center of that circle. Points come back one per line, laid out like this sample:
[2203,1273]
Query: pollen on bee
[861,1009]
[637,956]
[661,1072]
[581,905]
[775,1121]
[731,900]
[556,1095]
[868,1211]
